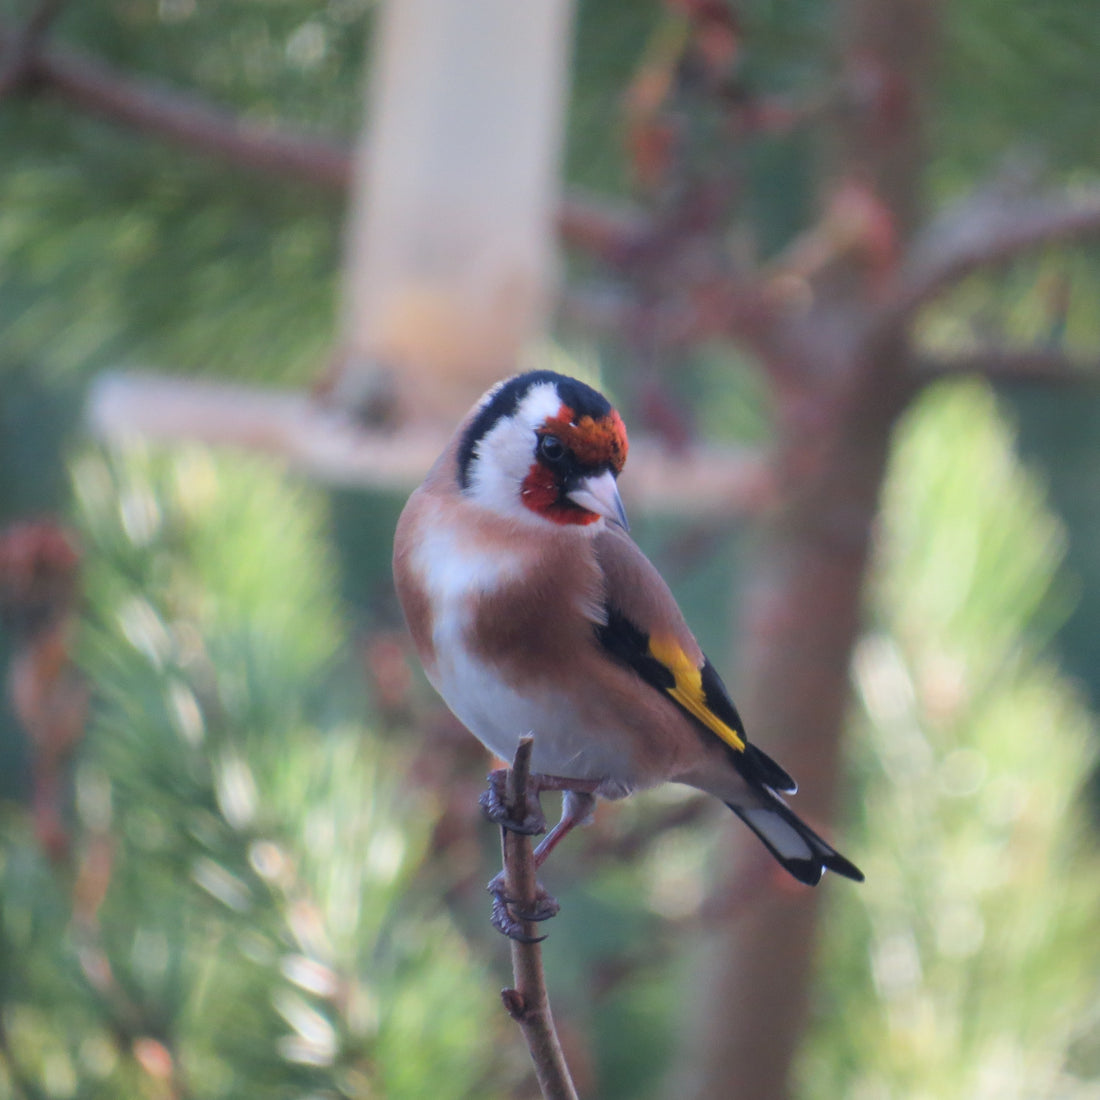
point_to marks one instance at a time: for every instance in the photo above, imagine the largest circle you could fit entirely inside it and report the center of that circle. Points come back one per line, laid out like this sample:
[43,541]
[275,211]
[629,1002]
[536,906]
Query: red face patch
[592,443]
[600,442]
[542,494]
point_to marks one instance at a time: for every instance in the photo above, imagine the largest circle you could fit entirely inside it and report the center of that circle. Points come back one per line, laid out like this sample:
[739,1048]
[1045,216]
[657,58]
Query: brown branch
[984,231]
[17,52]
[527,1003]
[604,308]
[153,109]
[285,423]
[633,843]
[309,436]
[713,305]
[609,231]
[1004,364]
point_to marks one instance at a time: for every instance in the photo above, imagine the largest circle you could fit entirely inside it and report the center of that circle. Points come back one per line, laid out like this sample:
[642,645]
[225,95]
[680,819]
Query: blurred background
[835,262]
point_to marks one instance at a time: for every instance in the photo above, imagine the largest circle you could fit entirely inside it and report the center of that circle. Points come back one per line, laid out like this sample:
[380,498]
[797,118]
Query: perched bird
[533,611]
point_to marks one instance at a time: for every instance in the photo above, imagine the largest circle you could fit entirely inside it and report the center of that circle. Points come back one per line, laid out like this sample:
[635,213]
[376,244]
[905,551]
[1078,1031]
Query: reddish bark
[804,596]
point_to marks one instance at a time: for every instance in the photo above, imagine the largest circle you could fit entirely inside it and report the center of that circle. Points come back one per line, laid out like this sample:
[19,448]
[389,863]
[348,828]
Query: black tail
[761,770]
[793,843]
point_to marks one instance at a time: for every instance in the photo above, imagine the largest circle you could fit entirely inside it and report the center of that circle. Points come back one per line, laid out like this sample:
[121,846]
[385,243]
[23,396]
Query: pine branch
[527,1002]
[604,229]
[184,119]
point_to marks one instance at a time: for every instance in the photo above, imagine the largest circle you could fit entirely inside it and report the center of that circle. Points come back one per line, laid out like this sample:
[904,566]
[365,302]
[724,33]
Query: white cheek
[503,463]
[505,455]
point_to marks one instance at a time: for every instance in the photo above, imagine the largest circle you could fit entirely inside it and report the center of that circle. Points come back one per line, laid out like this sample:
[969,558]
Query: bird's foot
[509,919]
[494,805]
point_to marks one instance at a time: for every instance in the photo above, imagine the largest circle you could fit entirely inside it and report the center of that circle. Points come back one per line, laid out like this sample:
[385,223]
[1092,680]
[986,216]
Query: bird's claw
[509,920]
[494,805]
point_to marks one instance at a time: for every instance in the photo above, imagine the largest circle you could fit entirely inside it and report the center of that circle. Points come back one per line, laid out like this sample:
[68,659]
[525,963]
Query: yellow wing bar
[688,691]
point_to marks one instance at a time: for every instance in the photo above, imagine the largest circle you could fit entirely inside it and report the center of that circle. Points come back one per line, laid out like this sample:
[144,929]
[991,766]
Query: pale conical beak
[600,494]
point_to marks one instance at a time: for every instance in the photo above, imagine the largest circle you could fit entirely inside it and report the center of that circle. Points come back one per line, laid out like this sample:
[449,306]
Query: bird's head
[545,447]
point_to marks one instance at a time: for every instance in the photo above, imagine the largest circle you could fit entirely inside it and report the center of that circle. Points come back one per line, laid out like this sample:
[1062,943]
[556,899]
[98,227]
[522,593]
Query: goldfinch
[533,611]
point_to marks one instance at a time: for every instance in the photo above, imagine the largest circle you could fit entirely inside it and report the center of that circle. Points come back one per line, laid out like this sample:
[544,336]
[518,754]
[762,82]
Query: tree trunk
[804,596]
[801,620]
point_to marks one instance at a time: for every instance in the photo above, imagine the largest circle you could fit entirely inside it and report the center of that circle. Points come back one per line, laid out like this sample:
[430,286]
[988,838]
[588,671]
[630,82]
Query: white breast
[455,569]
[457,573]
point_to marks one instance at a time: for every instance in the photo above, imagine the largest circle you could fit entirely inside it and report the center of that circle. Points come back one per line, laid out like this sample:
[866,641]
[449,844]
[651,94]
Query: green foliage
[115,249]
[243,903]
[967,966]
[610,37]
[280,60]
[1016,75]
[150,273]
[1044,302]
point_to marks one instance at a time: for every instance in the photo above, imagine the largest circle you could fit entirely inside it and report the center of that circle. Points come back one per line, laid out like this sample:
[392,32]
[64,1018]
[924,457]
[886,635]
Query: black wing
[698,692]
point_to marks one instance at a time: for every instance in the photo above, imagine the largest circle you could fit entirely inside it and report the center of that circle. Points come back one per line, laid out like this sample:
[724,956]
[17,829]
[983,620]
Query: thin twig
[1050,366]
[527,1002]
[18,49]
[631,845]
[984,231]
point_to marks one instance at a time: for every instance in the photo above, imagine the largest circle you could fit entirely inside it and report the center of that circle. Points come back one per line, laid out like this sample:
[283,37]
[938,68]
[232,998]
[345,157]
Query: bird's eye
[551,448]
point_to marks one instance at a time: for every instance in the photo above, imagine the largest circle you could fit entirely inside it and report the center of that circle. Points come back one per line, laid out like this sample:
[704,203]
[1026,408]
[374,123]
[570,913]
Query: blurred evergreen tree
[970,969]
[239,916]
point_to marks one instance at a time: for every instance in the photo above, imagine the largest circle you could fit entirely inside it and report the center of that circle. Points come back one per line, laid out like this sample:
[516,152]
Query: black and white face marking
[503,399]
[502,457]
[507,435]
